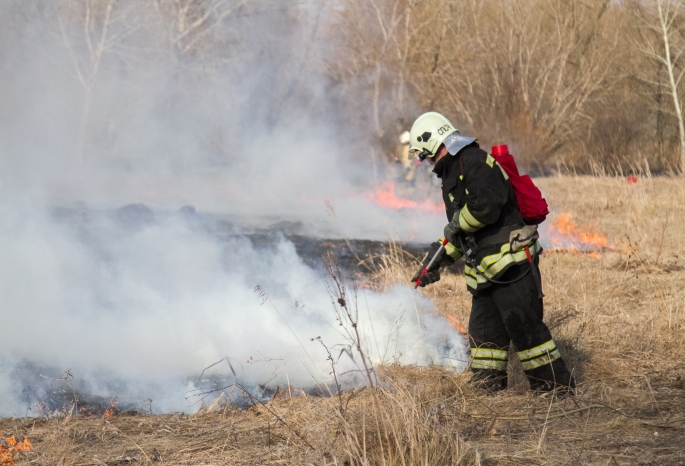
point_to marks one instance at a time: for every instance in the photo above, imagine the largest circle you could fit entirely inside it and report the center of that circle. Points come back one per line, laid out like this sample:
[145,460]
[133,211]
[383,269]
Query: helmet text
[443,129]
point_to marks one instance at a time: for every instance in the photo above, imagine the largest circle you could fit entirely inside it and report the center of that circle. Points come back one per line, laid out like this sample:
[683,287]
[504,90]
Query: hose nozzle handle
[424,271]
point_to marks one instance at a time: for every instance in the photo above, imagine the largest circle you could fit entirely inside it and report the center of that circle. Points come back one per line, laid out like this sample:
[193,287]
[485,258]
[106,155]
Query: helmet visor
[456,142]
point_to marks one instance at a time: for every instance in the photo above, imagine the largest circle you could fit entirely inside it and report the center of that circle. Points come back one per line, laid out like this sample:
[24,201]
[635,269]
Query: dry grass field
[619,318]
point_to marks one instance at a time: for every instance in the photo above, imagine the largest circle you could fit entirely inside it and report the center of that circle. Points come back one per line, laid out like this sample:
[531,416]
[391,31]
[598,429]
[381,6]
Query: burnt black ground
[262,233]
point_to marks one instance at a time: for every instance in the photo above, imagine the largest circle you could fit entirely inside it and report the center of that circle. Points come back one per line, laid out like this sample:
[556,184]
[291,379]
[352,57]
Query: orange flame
[384,195]
[9,447]
[566,235]
[111,410]
[456,324]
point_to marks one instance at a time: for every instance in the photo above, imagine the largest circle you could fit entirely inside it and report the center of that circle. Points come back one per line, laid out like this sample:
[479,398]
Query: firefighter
[486,226]
[405,160]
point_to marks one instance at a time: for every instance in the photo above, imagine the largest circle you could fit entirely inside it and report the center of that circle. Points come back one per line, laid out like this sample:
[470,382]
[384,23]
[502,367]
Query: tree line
[585,86]
[589,86]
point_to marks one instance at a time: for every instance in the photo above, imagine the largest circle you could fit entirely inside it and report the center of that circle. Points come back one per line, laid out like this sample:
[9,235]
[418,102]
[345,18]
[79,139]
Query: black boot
[552,377]
[489,380]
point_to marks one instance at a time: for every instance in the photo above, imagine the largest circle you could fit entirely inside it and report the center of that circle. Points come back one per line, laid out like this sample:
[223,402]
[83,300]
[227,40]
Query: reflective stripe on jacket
[494,265]
[477,189]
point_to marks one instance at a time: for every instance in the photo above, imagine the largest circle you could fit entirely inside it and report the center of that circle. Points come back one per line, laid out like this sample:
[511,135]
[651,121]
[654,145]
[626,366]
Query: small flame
[384,195]
[567,236]
[456,324]
[111,411]
[9,447]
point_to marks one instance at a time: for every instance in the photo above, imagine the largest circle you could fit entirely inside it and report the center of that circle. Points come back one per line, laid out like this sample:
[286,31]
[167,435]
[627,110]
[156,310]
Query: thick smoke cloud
[153,305]
[237,117]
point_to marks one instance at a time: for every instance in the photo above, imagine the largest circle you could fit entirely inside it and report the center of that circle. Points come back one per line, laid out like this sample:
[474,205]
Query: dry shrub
[412,428]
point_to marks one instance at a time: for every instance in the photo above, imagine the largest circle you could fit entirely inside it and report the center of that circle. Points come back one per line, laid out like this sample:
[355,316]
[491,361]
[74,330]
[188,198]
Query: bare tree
[371,27]
[536,69]
[547,76]
[103,25]
[515,70]
[94,31]
[191,21]
[666,47]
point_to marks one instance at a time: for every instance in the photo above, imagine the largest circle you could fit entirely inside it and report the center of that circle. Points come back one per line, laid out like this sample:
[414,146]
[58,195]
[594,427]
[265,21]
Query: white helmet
[430,131]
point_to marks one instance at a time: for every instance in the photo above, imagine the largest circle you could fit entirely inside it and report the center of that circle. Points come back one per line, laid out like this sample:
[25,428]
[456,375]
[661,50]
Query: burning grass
[618,318]
[385,195]
[566,234]
[9,447]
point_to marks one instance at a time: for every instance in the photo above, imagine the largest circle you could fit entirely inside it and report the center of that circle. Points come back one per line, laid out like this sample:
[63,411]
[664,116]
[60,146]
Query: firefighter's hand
[428,278]
[443,260]
[523,237]
[452,229]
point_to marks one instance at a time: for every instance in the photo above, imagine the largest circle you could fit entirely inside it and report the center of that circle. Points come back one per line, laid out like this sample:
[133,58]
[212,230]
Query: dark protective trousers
[501,314]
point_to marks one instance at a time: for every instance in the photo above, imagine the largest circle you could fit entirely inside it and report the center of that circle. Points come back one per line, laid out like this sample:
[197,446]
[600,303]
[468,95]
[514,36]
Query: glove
[452,229]
[433,274]
[443,260]
[523,237]
[428,278]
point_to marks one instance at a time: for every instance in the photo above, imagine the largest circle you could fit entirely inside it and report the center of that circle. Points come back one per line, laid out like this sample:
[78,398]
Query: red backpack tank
[532,205]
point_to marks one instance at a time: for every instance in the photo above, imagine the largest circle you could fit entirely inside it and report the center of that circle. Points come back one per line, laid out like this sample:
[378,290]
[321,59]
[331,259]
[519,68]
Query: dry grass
[619,319]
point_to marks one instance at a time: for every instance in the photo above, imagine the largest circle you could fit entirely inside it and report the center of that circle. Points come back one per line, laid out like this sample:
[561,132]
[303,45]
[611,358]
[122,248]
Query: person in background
[403,156]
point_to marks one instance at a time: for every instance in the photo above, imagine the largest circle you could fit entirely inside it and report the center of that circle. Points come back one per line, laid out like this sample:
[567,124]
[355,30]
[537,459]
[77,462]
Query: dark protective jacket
[478,190]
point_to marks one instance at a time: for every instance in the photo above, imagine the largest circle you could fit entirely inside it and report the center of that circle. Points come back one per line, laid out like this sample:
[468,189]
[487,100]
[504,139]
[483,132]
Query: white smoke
[162,301]
[133,312]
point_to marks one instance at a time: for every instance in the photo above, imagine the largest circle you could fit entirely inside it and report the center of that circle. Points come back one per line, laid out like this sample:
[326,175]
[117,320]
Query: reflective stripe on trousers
[539,355]
[489,358]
